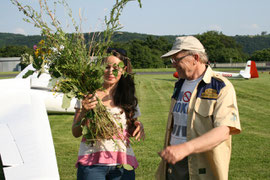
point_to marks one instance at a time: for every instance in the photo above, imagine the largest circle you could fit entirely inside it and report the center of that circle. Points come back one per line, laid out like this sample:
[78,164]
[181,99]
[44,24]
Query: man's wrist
[190,147]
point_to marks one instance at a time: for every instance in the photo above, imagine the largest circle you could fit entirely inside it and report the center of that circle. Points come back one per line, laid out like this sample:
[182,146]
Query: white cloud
[214,27]
[20,31]
[254,26]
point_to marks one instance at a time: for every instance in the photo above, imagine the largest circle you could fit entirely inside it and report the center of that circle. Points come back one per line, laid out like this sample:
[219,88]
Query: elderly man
[202,117]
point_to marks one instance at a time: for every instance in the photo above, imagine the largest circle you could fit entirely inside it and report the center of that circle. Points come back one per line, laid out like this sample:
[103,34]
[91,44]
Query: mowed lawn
[251,149]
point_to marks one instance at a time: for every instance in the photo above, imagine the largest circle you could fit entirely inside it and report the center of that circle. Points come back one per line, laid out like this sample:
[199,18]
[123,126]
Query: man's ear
[197,58]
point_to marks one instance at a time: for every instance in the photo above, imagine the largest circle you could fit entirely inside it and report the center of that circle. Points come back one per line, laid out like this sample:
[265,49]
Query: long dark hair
[124,93]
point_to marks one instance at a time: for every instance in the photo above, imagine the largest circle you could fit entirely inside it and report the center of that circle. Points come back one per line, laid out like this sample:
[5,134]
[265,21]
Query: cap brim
[170,53]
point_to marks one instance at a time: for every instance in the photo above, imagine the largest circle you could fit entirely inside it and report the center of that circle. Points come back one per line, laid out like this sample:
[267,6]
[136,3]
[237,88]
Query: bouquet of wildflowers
[75,67]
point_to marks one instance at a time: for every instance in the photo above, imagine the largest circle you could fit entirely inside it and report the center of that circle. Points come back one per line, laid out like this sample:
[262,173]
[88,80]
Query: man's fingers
[166,156]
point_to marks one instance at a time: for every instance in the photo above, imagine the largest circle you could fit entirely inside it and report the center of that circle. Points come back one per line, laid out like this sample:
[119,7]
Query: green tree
[261,55]
[158,46]
[14,51]
[225,55]
[251,44]
[221,48]
[146,53]
[156,61]
[158,43]
[140,55]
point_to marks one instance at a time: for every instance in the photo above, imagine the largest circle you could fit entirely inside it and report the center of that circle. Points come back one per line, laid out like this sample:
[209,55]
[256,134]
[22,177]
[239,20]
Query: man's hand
[203,143]
[173,154]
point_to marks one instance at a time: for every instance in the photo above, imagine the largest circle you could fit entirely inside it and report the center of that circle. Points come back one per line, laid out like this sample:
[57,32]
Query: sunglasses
[179,59]
[119,50]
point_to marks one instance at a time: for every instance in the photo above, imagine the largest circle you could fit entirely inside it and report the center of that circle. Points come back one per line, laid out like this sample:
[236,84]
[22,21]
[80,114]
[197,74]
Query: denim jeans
[97,172]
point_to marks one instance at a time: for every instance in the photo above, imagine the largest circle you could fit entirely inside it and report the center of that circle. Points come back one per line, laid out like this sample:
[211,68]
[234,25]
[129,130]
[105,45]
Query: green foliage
[261,55]
[139,55]
[28,73]
[66,55]
[225,55]
[251,44]
[14,51]
[26,59]
[75,67]
[98,128]
[66,100]
[221,48]
[10,39]
[126,166]
[146,53]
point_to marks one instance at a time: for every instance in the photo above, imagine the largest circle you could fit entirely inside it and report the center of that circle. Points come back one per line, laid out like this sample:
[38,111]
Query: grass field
[7,75]
[251,149]
[173,69]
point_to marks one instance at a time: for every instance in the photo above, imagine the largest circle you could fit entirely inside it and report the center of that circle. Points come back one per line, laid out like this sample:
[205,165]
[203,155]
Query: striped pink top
[108,152]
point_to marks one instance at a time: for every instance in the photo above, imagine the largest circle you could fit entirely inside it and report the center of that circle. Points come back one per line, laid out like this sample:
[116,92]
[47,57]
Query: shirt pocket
[203,118]
[204,107]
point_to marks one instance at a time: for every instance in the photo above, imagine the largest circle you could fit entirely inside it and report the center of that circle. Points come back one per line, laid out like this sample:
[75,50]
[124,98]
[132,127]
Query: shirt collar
[208,75]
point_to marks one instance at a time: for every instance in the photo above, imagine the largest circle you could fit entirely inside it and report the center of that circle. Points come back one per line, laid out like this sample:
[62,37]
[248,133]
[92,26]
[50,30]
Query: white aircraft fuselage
[41,86]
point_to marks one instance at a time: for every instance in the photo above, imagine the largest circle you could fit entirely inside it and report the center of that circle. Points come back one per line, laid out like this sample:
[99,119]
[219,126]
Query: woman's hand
[89,102]
[139,131]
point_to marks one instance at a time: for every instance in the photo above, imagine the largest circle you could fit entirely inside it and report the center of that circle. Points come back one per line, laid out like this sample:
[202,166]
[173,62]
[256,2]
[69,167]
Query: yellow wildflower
[41,42]
[37,52]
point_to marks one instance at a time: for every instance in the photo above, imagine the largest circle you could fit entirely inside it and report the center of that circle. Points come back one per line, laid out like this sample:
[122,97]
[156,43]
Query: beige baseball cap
[185,43]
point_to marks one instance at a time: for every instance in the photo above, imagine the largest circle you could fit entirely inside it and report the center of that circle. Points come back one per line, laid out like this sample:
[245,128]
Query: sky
[157,17]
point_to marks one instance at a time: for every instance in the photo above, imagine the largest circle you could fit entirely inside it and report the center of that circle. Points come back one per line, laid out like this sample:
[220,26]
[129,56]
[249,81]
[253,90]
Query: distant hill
[19,39]
[253,43]
[7,39]
[128,36]
[249,43]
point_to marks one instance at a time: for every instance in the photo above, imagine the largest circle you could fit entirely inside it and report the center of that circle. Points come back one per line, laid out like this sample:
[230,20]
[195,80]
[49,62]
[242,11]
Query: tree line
[145,50]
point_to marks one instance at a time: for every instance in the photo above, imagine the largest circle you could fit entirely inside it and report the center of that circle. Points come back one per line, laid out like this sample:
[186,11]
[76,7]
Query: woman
[103,159]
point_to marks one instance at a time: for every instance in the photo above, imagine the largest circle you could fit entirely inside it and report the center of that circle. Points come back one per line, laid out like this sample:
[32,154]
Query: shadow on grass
[242,79]
[60,113]
[170,80]
[174,80]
